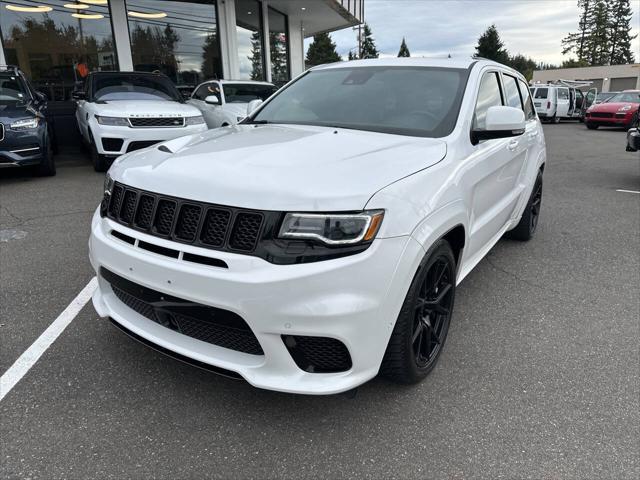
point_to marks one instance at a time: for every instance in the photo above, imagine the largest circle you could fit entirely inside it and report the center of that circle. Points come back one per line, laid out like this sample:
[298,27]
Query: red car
[620,110]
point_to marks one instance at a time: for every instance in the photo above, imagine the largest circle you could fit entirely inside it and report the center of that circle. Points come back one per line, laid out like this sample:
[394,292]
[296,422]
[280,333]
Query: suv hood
[612,107]
[16,111]
[279,167]
[151,108]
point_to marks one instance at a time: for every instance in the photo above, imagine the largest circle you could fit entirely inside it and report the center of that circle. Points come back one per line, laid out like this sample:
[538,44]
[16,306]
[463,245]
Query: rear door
[563,102]
[540,101]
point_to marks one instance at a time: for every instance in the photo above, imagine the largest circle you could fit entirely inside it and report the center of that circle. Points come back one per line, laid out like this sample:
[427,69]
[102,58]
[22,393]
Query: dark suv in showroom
[25,135]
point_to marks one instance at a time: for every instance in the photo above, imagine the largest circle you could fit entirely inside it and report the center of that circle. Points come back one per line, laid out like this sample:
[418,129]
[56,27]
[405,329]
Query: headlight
[112,121]
[108,184]
[332,229]
[26,124]
[199,120]
[626,108]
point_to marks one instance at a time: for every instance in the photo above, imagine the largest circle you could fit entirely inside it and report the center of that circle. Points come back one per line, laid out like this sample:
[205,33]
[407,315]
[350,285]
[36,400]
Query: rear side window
[489,95]
[563,93]
[529,111]
[511,93]
[541,93]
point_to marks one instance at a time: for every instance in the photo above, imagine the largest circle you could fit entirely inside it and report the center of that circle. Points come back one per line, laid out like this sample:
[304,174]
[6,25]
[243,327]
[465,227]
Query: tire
[633,122]
[100,163]
[418,337]
[528,223]
[47,167]
[591,126]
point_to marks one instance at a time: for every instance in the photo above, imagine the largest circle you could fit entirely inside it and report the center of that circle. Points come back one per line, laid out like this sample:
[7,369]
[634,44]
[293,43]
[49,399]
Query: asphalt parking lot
[539,377]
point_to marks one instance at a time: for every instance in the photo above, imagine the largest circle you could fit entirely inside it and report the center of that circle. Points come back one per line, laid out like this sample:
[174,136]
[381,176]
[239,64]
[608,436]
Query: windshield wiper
[256,122]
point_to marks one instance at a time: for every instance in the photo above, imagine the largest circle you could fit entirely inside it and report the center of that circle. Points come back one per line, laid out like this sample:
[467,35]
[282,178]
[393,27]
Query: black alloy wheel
[421,329]
[432,307]
[529,222]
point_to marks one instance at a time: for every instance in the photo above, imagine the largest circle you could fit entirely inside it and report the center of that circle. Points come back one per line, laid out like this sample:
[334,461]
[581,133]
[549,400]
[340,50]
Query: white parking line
[626,191]
[31,355]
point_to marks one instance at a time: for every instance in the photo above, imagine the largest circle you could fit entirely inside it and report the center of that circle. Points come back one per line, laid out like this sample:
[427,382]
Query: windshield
[134,87]
[245,92]
[417,101]
[12,90]
[625,97]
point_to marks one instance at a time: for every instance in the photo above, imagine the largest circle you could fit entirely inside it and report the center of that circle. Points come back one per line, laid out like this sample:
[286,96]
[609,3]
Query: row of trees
[604,33]
[604,38]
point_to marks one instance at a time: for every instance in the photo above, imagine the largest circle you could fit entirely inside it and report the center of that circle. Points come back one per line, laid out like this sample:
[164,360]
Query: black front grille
[318,354]
[141,144]
[208,324]
[149,122]
[201,224]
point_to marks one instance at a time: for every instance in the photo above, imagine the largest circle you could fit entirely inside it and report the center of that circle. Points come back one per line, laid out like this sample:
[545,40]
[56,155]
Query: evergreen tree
[278,55]
[598,43]
[322,50]
[369,49]
[620,32]
[404,50]
[256,57]
[576,42]
[352,56]
[491,47]
[523,64]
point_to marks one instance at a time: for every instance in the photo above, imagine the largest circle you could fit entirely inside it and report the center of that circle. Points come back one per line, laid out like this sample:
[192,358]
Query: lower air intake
[318,354]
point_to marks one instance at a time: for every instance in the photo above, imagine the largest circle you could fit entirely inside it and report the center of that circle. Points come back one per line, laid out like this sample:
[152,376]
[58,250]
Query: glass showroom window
[57,42]
[250,40]
[177,38]
[278,46]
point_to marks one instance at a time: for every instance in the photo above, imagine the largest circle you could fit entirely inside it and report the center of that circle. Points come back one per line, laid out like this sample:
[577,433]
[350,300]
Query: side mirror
[41,97]
[212,100]
[501,122]
[253,105]
[78,95]
[633,140]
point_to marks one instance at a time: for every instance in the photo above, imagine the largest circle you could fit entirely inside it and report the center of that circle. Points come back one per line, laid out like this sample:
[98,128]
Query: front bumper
[617,120]
[22,148]
[354,299]
[115,141]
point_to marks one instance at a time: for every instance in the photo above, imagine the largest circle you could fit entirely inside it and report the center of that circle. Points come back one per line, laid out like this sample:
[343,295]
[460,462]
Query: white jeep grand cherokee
[321,240]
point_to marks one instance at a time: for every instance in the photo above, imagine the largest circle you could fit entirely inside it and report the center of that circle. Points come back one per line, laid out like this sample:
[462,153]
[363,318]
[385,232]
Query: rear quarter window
[541,93]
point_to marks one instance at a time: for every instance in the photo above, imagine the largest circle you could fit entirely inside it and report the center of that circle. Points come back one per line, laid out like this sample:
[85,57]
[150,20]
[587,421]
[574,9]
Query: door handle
[513,144]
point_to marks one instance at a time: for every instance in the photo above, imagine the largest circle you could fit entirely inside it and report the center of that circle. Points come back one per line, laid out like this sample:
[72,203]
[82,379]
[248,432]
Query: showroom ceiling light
[76,6]
[38,9]
[88,16]
[96,2]
[146,15]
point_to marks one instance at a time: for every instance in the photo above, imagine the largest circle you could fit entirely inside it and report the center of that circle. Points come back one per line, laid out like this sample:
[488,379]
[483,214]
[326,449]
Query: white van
[555,101]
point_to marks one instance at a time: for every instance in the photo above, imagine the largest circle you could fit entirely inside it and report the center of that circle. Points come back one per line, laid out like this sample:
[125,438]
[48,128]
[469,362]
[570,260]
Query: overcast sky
[534,28]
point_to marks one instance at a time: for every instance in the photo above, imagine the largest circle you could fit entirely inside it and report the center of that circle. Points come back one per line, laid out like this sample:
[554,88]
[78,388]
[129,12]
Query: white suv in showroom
[225,102]
[320,241]
[119,112]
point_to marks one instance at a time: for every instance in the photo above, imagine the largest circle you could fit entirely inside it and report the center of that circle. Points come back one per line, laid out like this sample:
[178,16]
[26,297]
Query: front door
[491,173]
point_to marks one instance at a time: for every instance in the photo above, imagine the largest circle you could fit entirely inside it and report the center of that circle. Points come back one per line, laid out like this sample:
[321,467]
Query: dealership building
[57,42]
